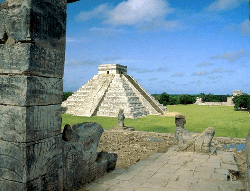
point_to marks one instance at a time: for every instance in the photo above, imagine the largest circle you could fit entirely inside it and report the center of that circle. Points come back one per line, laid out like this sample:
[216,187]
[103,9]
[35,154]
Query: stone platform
[173,171]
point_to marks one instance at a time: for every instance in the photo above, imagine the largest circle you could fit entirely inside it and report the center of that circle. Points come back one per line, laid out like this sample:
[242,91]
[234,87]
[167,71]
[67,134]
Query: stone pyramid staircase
[112,89]
[121,95]
[148,100]
[86,99]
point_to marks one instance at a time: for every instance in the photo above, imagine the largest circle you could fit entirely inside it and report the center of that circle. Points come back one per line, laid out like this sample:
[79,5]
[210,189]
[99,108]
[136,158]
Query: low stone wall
[215,103]
[217,142]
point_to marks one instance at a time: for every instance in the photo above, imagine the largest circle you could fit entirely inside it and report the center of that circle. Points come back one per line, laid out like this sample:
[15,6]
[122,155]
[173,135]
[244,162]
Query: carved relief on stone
[82,162]
[193,142]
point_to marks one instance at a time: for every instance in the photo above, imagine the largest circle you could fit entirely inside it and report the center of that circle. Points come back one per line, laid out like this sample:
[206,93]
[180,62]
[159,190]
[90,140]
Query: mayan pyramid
[110,90]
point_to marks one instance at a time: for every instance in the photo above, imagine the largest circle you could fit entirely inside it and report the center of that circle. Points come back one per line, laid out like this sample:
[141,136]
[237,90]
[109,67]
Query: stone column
[248,162]
[32,53]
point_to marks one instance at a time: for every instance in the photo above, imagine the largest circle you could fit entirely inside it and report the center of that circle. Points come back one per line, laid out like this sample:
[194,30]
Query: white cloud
[201,73]
[152,79]
[180,74]
[98,12]
[245,28]
[162,69]
[205,63]
[140,70]
[134,11]
[73,62]
[218,70]
[75,40]
[68,40]
[223,5]
[105,31]
[143,14]
[112,59]
[230,56]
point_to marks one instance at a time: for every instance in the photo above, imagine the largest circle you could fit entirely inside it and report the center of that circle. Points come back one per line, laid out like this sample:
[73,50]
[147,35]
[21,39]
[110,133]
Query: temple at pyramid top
[110,90]
[112,69]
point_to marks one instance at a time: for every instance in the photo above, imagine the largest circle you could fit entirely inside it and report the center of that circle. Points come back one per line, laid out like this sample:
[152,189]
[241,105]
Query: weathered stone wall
[33,155]
[32,53]
[228,103]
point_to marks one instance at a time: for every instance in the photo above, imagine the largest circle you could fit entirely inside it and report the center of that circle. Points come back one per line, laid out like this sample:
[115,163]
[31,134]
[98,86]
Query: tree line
[242,101]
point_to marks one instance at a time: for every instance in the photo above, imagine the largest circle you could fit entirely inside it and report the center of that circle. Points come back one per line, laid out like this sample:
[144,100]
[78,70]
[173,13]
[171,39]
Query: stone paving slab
[172,170]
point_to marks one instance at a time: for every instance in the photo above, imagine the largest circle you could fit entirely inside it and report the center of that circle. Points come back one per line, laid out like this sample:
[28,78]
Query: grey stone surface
[82,163]
[121,118]
[34,155]
[24,162]
[30,90]
[193,142]
[25,13]
[29,58]
[152,175]
[26,124]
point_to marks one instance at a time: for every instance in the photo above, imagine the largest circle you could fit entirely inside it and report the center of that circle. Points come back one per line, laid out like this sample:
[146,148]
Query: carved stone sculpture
[193,142]
[120,125]
[121,118]
[82,162]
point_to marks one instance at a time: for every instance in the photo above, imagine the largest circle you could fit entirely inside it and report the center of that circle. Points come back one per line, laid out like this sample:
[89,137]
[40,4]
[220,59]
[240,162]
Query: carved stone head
[180,120]
[83,138]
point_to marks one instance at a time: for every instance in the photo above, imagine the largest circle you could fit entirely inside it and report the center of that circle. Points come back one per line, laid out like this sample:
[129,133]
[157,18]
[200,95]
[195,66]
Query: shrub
[242,101]
[173,100]
[164,98]
[186,99]
[66,95]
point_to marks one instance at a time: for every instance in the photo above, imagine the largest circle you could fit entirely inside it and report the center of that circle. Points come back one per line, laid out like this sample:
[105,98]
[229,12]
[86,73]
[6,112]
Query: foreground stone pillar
[248,162]
[32,53]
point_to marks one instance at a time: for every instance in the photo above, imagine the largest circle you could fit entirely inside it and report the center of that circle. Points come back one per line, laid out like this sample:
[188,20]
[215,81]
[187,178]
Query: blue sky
[174,46]
[178,47]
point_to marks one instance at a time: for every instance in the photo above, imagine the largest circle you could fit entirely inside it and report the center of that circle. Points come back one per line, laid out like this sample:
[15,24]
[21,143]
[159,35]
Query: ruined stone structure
[33,155]
[229,102]
[109,91]
[193,142]
[120,125]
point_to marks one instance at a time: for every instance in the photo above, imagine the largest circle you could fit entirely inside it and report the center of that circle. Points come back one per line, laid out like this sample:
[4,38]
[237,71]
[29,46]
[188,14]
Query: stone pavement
[173,171]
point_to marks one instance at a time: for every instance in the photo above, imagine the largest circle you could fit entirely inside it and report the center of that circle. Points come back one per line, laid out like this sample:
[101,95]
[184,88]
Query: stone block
[40,20]
[3,12]
[81,142]
[26,124]
[25,162]
[36,59]
[11,185]
[30,90]
[82,162]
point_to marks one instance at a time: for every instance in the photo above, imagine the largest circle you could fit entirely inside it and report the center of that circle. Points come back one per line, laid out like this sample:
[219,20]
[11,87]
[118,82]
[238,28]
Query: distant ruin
[33,155]
[229,102]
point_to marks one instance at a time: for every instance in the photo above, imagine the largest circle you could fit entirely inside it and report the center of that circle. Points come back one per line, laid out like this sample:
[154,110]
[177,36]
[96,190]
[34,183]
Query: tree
[164,98]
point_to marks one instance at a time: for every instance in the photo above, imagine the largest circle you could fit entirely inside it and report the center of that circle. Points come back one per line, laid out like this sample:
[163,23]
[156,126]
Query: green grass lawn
[226,121]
